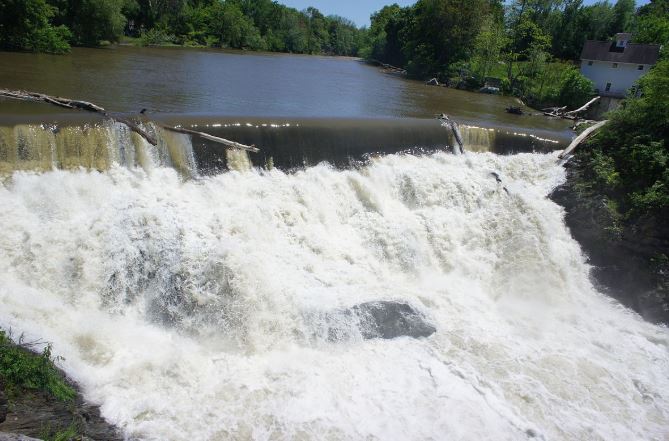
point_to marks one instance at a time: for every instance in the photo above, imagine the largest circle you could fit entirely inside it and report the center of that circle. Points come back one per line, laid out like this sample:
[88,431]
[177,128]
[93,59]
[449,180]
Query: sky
[360,10]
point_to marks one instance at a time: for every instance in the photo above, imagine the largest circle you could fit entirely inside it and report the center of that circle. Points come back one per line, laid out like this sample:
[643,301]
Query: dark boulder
[379,319]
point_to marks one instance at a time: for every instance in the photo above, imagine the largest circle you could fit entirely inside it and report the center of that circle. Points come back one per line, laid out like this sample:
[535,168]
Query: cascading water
[41,147]
[193,309]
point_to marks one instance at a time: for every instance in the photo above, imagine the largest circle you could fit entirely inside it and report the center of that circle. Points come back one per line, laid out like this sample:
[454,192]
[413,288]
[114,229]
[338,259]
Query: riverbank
[617,199]
[628,257]
[38,400]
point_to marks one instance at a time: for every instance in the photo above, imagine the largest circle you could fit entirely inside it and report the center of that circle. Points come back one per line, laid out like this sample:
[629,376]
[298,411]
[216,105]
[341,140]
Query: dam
[45,142]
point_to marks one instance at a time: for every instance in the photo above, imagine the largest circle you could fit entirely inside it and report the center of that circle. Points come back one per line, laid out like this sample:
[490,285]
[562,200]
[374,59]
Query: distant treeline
[54,25]
[434,35]
[527,44]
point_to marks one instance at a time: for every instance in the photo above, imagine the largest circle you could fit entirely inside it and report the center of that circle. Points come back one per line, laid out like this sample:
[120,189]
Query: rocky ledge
[26,415]
[628,255]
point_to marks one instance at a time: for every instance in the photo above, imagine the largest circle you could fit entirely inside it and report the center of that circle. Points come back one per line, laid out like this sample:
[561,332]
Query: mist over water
[189,308]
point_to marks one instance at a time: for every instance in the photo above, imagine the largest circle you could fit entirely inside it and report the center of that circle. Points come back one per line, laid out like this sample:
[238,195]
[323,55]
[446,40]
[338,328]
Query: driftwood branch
[580,138]
[75,104]
[560,112]
[447,122]
[233,144]
[90,107]
[584,107]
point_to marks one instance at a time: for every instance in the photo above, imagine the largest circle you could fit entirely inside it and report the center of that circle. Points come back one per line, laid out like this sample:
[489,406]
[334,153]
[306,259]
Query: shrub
[23,370]
[155,37]
[634,149]
[574,90]
[25,25]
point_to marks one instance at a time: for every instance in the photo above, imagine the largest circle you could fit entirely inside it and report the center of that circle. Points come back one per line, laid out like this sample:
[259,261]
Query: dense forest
[54,25]
[529,44]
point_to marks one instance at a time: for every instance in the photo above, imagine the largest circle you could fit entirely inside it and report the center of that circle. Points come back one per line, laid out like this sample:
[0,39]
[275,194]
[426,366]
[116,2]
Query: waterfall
[41,147]
[193,308]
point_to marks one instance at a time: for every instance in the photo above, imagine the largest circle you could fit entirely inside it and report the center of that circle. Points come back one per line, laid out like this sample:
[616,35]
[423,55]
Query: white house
[615,66]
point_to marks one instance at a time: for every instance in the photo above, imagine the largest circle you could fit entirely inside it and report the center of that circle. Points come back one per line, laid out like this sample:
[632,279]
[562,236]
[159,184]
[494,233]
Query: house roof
[633,53]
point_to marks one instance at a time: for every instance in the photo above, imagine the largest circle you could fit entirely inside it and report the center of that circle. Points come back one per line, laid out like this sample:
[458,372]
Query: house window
[615,65]
[589,63]
[640,67]
[608,87]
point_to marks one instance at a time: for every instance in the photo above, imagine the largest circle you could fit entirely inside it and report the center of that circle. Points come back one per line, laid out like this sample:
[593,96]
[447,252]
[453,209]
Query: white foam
[180,306]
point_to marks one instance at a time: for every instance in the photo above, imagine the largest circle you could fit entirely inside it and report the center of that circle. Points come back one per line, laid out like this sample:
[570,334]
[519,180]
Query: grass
[22,370]
[67,434]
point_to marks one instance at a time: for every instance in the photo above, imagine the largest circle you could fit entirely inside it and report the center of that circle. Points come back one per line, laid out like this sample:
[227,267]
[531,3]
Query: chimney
[622,39]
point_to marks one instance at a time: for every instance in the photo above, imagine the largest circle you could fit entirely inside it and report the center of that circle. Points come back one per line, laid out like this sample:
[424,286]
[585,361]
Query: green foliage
[442,32]
[604,170]
[623,16]
[574,89]
[629,156]
[156,37]
[23,370]
[26,25]
[488,46]
[92,21]
[67,434]
[652,23]
[48,25]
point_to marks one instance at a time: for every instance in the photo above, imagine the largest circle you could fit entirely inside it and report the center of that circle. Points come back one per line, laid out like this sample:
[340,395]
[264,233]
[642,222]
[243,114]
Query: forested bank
[531,46]
[54,25]
[617,198]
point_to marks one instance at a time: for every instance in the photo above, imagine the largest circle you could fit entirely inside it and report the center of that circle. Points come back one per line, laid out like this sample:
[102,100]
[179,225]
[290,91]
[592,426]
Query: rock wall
[626,255]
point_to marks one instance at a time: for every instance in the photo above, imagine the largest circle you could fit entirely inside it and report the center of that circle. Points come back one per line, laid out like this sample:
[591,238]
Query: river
[187,81]
[230,304]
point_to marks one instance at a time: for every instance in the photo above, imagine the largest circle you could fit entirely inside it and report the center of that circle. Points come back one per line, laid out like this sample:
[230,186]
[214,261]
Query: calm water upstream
[128,79]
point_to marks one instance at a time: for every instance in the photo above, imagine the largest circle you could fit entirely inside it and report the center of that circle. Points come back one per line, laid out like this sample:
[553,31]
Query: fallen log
[580,138]
[233,144]
[447,122]
[559,112]
[77,105]
[584,107]
[90,107]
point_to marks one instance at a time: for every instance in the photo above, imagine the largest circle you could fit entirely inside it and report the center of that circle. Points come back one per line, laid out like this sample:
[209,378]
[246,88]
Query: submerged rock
[379,319]
[390,320]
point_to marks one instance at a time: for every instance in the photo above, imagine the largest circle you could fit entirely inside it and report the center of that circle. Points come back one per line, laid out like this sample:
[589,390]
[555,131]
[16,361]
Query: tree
[231,28]
[652,23]
[636,144]
[318,36]
[488,45]
[442,32]
[26,25]
[623,14]
[93,21]
[575,90]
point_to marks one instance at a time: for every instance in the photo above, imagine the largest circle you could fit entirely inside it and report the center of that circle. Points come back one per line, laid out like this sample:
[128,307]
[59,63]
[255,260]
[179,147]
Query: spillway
[238,305]
[43,142]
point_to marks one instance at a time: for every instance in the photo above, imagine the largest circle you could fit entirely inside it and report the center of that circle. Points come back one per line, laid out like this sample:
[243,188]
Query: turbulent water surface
[194,308]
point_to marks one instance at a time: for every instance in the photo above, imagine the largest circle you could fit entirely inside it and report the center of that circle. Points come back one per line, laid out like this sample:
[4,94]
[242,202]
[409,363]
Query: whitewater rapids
[185,307]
